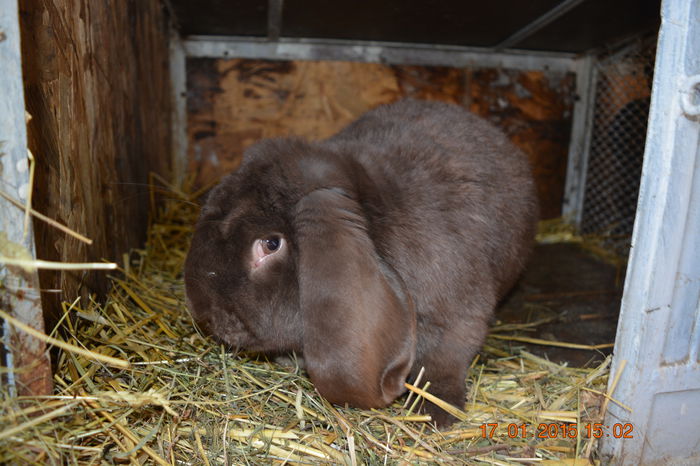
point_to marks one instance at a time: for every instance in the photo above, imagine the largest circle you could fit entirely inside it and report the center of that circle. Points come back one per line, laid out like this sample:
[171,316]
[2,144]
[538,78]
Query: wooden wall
[98,90]
[232,103]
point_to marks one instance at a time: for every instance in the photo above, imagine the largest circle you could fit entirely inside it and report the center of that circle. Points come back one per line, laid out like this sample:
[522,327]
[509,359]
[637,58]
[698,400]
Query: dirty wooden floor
[577,291]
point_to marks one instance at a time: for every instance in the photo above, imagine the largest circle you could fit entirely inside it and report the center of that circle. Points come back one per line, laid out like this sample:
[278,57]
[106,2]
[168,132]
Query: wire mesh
[621,110]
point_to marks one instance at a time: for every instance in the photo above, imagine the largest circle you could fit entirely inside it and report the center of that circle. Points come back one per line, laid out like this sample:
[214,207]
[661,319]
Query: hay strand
[62,344]
[45,219]
[560,344]
[30,264]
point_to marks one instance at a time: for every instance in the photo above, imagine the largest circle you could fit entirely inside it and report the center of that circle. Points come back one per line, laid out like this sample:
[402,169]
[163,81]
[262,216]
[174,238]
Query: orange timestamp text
[557,430]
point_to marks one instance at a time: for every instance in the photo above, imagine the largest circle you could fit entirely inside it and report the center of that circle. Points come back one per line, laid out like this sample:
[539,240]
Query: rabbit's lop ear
[359,328]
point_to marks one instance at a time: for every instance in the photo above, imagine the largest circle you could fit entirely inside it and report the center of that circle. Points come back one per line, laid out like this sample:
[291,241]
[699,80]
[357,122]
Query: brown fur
[403,231]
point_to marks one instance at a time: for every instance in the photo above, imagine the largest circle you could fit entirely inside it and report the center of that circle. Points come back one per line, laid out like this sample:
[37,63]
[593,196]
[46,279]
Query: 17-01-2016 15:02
[557,430]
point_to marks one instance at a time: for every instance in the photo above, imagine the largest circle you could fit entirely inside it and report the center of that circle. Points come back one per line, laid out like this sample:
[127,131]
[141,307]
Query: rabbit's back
[457,193]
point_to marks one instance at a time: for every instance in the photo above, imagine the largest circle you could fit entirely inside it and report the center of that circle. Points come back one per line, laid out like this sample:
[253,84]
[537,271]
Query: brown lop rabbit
[374,253]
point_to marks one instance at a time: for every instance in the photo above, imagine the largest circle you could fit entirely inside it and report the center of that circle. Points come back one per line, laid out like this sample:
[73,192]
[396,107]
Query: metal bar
[274,19]
[375,52]
[544,20]
[178,83]
[580,141]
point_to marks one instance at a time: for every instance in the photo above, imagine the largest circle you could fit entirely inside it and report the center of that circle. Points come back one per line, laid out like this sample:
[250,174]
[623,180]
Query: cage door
[657,351]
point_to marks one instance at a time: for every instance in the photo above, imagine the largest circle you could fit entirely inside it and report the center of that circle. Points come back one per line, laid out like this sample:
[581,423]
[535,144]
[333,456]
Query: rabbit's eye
[271,244]
[265,248]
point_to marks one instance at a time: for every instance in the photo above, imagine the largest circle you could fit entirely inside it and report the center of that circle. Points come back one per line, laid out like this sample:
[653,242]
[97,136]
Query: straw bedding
[183,399]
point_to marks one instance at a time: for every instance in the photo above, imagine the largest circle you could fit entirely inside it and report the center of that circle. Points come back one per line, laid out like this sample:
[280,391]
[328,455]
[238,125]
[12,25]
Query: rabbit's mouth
[217,322]
[227,327]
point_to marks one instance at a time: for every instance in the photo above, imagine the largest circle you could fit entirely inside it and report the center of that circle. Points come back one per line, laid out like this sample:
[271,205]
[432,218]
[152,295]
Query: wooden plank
[534,108]
[20,288]
[97,85]
[233,103]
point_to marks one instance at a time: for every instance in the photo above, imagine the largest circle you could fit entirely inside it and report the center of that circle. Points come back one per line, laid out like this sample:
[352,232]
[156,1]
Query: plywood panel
[233,103]
[534,109]
[97,87]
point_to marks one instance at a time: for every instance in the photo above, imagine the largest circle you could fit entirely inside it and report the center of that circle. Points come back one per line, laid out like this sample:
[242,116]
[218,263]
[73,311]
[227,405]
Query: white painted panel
[20,288]
[658,331]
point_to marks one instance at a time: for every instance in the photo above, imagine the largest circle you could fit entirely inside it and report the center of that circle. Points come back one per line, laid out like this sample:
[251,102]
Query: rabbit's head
[282,260]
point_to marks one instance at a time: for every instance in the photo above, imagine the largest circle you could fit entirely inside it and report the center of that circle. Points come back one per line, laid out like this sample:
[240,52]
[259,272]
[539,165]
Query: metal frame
[375,52]
[580,142]
[178,86]
[274,19]
[544,20]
